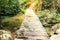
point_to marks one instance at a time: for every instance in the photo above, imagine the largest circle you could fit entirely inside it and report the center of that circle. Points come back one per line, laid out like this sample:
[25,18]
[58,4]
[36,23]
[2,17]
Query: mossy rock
[12,22]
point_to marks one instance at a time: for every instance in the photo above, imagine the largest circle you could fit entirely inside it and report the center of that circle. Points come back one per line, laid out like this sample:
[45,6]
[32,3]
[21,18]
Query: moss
[12,23]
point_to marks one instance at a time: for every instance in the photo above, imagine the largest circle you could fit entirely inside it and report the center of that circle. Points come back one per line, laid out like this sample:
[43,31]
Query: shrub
[9,7]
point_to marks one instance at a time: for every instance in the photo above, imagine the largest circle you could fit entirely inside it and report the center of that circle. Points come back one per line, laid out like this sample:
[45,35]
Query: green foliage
[58,3]
[11,23]
[58,15]
[12,7]
[47,3]
[23,1]
[48,17]
[9,7]
[22,5]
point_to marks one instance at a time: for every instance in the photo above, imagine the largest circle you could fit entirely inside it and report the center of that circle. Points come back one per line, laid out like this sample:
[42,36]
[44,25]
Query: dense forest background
[12,13]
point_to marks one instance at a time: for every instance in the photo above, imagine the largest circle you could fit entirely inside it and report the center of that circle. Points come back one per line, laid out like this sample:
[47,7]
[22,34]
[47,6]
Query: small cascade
[31,27]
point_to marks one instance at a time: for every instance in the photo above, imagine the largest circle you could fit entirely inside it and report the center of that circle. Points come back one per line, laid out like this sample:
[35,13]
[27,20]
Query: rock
[5,35]
[55,37]
[58,31]
[31,27]
[56,28]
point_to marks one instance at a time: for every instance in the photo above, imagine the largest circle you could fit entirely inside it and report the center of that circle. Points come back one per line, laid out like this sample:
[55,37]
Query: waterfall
[31,27]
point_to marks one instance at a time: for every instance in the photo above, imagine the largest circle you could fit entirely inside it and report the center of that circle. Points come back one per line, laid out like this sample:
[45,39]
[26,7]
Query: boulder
[5,35]
[56,28]
[55,37]
[58,31]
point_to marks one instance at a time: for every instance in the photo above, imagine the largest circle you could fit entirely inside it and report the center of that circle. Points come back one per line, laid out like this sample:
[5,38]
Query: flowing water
[31,27]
